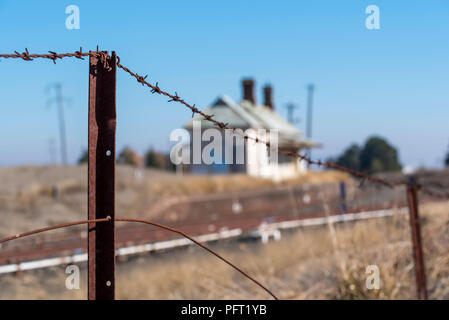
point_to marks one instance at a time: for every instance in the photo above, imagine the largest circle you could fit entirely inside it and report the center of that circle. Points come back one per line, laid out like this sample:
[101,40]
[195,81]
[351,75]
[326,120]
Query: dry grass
[35,196]
[198,185]
[303,265]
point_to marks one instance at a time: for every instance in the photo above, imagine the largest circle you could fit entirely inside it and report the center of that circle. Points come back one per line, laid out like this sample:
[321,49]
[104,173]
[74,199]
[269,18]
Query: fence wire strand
[59,226]
[155,224]
[202,246]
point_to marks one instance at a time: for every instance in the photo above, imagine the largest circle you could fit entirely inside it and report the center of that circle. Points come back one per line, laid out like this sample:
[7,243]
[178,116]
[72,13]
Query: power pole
[59,101]
[310,89]
[52,151]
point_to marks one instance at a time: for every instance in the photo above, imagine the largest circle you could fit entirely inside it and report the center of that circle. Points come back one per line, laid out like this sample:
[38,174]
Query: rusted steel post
[420,272]
[102,124]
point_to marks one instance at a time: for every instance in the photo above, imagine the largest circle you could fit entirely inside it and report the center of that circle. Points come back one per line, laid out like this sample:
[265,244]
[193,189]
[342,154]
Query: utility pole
[310,89]
[59,101]
[290,109]
[52,151]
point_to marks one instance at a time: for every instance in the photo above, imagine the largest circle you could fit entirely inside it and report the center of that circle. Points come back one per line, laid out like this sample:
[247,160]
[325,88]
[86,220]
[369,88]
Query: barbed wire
[434,194]
[331,165]
[155,89]
[51,55]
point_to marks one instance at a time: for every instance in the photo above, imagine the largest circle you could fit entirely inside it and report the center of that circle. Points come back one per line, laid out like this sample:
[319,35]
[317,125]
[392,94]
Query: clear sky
[391,82]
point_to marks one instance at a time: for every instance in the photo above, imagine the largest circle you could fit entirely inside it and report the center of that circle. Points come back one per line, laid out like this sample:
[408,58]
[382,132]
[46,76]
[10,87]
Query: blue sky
[391,82]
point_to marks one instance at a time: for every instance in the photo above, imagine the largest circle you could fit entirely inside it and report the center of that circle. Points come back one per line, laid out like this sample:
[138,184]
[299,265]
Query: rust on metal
[420,272]
[101,171]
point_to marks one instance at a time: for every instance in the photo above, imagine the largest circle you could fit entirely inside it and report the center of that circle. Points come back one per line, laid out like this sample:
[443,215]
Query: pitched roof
[225,110]
[270,119]
[247,115]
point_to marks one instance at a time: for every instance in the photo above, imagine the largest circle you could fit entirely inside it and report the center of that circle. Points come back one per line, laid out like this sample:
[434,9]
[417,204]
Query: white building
[250,117]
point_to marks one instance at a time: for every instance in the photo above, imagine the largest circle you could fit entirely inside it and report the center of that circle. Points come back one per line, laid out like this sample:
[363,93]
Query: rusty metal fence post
[101,171]
[420,272]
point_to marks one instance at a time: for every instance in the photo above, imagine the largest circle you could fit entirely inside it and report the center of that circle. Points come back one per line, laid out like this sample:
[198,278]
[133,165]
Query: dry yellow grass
[35,196]
[303,265]
[201,184]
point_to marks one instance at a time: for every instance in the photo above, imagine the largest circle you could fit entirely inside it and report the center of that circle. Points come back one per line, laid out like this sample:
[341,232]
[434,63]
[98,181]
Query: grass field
[35,196]
[306,264]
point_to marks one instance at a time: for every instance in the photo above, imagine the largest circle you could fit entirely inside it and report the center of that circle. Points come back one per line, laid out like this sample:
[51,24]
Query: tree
[159,160]
[84,157]
[351,157]
[446,161]
[130,157]
[379,156]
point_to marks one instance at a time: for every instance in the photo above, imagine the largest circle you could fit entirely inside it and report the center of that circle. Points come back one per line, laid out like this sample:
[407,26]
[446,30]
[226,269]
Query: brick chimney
[248,90]
[268,96]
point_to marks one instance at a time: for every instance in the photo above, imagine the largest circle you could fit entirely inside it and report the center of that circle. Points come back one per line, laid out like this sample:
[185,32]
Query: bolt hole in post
[108,153]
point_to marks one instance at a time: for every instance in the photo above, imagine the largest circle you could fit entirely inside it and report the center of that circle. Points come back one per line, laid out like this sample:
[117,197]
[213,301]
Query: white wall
[258,164]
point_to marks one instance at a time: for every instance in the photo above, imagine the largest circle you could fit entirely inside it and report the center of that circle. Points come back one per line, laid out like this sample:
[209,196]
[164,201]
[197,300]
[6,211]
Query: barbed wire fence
[101,190]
